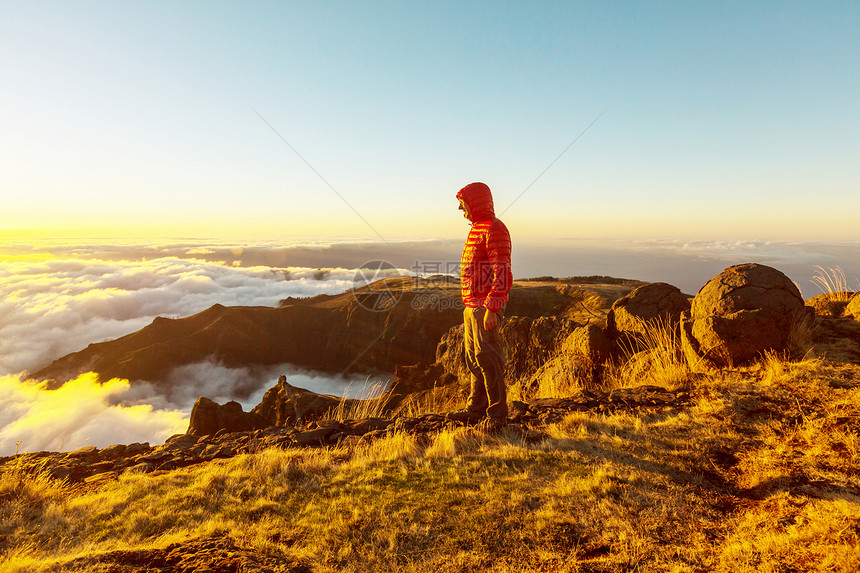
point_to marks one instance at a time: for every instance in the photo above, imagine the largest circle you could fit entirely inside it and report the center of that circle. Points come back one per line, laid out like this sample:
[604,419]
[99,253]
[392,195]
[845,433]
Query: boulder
[742,312]
[419,377]
[590,342]
[647,303]
[208,417]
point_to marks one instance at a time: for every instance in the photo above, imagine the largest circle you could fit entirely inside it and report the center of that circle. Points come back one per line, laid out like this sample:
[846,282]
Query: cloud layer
[88,412]
[53,305]
[49,308]
[78,414]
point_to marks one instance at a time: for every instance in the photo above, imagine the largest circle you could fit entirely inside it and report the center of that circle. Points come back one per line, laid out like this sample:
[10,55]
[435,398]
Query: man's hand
[491,319]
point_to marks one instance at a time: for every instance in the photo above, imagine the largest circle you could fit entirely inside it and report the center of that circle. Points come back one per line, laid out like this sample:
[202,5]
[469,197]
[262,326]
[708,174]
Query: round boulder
[646,303]
[742,312]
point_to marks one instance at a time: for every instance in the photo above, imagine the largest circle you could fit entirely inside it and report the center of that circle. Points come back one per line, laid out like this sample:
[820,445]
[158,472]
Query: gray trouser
[486,361]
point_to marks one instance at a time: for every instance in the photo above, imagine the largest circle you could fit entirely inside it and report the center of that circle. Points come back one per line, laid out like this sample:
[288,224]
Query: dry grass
[439,399]
[760,474]
[833,283]
[372,402]
[653,357]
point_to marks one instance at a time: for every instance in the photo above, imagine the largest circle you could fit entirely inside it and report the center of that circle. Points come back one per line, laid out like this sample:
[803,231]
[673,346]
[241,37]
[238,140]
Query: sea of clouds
[58,298]
[56,302]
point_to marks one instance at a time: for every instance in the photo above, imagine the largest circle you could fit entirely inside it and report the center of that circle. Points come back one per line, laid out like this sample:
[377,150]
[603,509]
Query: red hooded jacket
[485,267]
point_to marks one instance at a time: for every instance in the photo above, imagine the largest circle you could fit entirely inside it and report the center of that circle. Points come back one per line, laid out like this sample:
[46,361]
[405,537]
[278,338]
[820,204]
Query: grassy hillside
[756,470]
[758,473]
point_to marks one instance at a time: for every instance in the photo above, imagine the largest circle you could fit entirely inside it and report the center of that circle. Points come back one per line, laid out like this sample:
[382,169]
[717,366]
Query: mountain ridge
[332,333]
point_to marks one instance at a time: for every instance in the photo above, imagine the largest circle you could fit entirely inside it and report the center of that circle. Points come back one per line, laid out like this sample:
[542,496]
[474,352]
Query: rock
[646,303]
[366,425]
[101,467]
[578,365]
[181,441]
[589,341]
[825,305]
[284,404]
[61,472]
[86,452]
[208,417]
[316,437]
[141,468]
[643,395]
[157,456]
[137,448]
[739,314]
[418,377]
[116,451]
[528,342]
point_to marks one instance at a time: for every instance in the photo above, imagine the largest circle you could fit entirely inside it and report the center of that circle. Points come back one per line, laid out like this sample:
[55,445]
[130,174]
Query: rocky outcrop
[418,378]
[656,301]
[92,465]
[287,405]
[829,305]
[209,417]
[742,312]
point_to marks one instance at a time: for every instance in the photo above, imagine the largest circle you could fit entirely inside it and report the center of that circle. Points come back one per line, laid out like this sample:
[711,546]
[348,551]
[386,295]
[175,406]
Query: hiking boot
[465,416]
[491,425]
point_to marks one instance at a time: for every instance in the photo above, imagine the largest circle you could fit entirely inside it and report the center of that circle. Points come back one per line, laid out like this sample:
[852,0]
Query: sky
[729,121]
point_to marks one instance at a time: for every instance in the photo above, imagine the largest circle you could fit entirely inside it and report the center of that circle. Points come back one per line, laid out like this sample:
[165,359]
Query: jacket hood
[480,201]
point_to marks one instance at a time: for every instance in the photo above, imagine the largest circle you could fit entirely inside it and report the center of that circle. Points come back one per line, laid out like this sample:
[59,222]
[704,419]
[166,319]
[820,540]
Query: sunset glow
[289,121]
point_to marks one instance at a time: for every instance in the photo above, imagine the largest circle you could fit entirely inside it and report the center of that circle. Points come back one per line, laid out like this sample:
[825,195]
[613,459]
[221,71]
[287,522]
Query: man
[485,281]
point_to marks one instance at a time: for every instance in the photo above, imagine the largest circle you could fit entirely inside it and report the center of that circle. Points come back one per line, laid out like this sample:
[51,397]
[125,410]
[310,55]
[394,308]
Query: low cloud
[51,305]
[87,412]
[35,418]
[49,308]
[184,384]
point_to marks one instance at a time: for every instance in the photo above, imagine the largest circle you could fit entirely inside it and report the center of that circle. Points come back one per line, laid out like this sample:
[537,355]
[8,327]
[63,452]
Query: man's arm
[499,260]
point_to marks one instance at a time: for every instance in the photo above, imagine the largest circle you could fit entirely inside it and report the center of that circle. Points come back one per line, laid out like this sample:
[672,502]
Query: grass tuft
[833,283]
[652,357]
[372,402]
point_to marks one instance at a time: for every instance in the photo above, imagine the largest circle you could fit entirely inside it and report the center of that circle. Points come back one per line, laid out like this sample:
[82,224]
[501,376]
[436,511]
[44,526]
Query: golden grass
[760,474]
[833,283]
[653,357]
[439,399]
[372,402]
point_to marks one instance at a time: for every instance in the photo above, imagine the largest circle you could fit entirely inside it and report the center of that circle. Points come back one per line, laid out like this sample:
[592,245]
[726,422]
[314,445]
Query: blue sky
[729,120]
